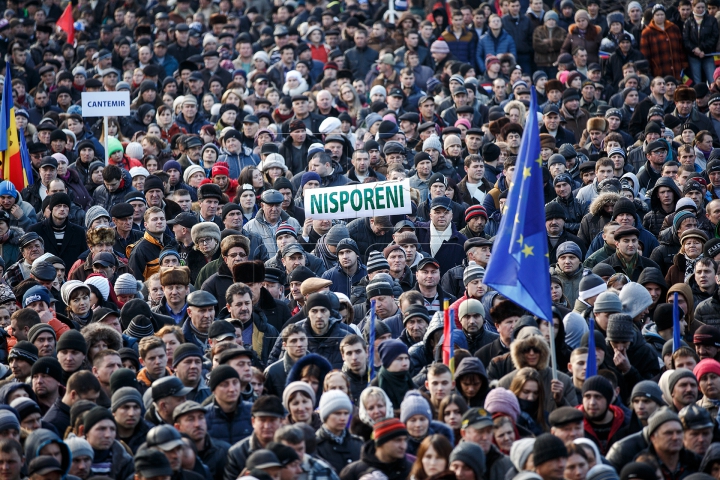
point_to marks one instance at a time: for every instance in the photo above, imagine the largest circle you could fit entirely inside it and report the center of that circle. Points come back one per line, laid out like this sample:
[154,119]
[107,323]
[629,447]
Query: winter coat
[237,161]
[704,36]
[470,366]
[663,49]
[108,200]
[708,311]
[575,122]
[624,451]
[569,396]
[237,456]
[664,254]
[570,282]
[73,243]
[338,455]
[341,281]
[547,44]
[450,253]
[311,261]
[653,220]
[360,61]
[229,428]
[464,48]
[58,415]
[327,346]
[612,436]
[593,222]
[9,249]
[259,226]
[28,218]
[82,268]
[640,265]
[194,126]
[361,231]
[574,212]
[286,150]
[590,41]
[646,238]
[397,470]
[422,353]
[144,256]
[521,30]
[489,44]
[565,236]
[276,376]
[214,456]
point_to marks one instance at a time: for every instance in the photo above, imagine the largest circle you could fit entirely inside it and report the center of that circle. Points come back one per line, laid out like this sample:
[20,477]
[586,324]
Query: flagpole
[553,357]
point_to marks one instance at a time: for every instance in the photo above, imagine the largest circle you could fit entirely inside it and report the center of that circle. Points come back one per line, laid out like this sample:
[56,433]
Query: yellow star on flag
[521,239]
[528,250]
[526,172]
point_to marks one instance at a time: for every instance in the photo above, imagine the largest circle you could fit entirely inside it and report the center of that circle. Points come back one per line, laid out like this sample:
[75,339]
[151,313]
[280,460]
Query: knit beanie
[307,177]
[608,302]
[452,140]
[661,416]
[520,451]
[79,447]
[624,205]
[620,328]
[49,366]
[638,470]
[348,244]
[124,395]
[95,416]
[679,217]
[648,389]
[473,272]
[569,248]
[575,327]
[335,234]
[432,142]
[677,375]
[24,350]
[184,351]
[101,283]
[333,401]
[707,365]
[221,373]
[591,285]
[548,447]
[663,316]
[554,210]
[59,199]
[93,213]
[376,261]
[635,299]
[378,288]
[8,421]
[25,406]
[414,404]
[126,284]
[391,349]
[501,400]
[140,327]
[72,340]
[602,472]
[598,384]
[472,455]
[386,430]
[294,387]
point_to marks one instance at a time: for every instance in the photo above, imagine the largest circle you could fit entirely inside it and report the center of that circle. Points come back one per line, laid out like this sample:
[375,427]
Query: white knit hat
[191,170]
[134,150]
[126,284]
[101,283]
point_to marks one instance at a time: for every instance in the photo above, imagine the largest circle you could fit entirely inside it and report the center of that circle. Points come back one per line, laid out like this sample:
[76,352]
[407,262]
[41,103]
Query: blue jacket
[194,126]
[341,282]
[99,149]
[227,429]
[490,45]
[191,338]
[237,161]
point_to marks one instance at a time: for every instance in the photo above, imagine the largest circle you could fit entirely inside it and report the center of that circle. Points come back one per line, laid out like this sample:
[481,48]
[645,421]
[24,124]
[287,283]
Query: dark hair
[26,317]
[111,172]
[83,381]
[442,447]
[238,288]
[8,445]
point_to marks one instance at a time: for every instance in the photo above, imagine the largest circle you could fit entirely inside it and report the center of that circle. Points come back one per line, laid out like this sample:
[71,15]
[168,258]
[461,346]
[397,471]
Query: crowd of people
[170,310]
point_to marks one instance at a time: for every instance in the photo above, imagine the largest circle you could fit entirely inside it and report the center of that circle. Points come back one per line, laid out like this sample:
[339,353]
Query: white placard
[355,201]
[105,104]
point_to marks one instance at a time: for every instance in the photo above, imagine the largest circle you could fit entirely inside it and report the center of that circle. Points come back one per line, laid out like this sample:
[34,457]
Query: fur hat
[98,235]
[174,276]
[684,93]
[234,241]
[596,123]
[96,332]
[205,229]
[249,272]
[547,141]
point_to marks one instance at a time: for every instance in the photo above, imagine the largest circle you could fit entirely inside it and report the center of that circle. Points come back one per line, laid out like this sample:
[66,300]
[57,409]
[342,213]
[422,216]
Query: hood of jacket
[663,182]
[654,275]
[636,185]
[532,341]
[142,111]
[41,437]
[470,365]
[686,292]
[9,388]
[437,323]
[711,456]
[601,201]
[321,362]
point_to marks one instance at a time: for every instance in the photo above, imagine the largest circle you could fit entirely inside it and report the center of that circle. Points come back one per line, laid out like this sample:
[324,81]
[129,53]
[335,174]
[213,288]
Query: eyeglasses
[237,255]
[205,241]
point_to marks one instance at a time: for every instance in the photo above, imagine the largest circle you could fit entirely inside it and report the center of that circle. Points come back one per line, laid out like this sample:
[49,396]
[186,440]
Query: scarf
[629,266]
[335,438]
[395,384]
[203,337]
[102,462]
[437,238]
[690,265]
[329,259]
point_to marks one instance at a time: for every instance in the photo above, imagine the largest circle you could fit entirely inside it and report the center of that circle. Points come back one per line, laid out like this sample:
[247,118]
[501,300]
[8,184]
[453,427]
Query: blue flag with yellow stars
[519,264]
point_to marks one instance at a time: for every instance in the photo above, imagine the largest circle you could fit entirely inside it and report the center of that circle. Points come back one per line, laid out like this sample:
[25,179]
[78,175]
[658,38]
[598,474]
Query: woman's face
[196,178]
[312,381]
[347,96]
[688,136]
[316,36]
[292,83]
[138,182]
[4,317]
[529,391]
[706,143]
[151,165]
[80,303]
[168,100]
[233,99]
[138,77]
[257,179]
[97,176]
[229,117]
[156,293]
[336,382]
[504,437]
[692,247]
[417,426]
[165,118]
[301,408]
[62,167]
[154,130]
[432,462]
[264,138]
[208,102]
[149,117]
[260,65]
[274,97]
[376,408]
[112,129]
[171,343]
[247,200]
[274,173]
[576,467]
[576,83]
[97,347]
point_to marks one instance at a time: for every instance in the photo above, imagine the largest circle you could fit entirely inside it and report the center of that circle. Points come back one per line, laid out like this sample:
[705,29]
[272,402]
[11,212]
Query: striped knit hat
[387,430]
[475,211]
[472,272]
[140,327]
[376,262]
[285,229]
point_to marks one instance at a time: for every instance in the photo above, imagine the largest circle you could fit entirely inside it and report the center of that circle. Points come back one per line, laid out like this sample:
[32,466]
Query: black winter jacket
[397,470]
[338,455]
[574,212]
[664,254]
[72,246]
[708,311]
[367,241]
[653,220]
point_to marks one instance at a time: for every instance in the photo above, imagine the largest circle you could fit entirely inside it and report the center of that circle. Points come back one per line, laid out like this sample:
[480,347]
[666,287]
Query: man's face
[128,415]
[70,360]
[193,424]
[201,317]
[241,307]
[668,438]
[569,432]
[355,357]
[319,319]
[440,218]
[644,407]
[439,386]
[296,345]
[685,392]
[595,405]
[155,361]
[428,276]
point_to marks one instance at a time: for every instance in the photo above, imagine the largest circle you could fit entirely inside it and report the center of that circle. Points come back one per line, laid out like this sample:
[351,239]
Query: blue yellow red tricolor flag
[371,343]
[448,348]
[15,168]
[677,343]
[591,364]
[519,265]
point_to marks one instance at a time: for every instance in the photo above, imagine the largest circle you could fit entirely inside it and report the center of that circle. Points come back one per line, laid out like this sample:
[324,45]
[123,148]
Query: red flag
[65,23]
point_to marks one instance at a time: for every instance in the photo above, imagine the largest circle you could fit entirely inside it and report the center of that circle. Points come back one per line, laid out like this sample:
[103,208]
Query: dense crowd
[169,309]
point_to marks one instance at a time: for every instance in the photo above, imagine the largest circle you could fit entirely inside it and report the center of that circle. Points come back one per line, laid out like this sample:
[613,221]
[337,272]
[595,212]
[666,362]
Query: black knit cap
[598,384]
[548,447]
[624,205]
[637,471]
[59,199]
[221,373]
[72,340]
[48,366]
[123,377]
[95,416]
[300,274]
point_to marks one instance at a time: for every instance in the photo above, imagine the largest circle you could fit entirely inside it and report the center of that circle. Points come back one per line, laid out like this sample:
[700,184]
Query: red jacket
[663,49]
[617,423]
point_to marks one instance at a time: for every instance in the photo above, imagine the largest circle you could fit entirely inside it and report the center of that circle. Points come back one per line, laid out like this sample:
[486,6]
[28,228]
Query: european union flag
[519,264]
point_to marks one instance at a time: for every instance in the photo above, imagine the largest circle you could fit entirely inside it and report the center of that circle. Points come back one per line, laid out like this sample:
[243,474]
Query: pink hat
[439,46]
[501,400]
[707,365]
[390,117]
[716,74]
[463,121]
[490,59]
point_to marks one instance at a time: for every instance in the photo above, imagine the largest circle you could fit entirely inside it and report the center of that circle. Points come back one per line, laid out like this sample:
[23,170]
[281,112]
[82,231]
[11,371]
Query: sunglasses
[531,350]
